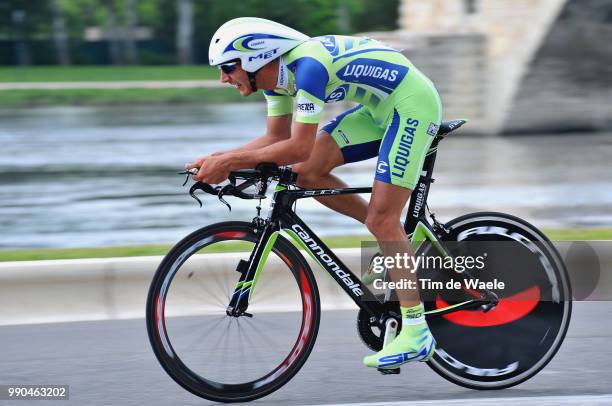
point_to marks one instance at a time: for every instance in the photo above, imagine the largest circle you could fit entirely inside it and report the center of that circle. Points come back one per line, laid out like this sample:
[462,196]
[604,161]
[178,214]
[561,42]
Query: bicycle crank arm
[484,304]
[390,331]
[391,326]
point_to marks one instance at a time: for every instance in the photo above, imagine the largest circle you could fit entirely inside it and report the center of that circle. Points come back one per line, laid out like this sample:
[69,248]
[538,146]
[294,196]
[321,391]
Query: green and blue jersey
[332,68]
[399,108]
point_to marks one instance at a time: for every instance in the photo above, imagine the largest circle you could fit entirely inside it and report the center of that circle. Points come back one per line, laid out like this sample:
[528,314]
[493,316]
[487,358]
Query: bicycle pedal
[394,371]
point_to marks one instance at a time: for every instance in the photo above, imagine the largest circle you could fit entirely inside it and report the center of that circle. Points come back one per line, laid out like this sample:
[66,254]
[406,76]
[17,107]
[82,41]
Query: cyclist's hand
[211,169]
[198,162]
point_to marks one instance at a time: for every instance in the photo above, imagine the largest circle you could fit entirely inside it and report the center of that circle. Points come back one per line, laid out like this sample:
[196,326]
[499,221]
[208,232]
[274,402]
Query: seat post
[418,198]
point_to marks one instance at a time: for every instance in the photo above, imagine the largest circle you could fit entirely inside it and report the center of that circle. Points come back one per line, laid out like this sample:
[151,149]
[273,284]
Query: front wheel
[225,358]
[512,342]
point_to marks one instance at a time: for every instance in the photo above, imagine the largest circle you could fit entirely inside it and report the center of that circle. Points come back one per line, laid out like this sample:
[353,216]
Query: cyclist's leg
[402,154]
[350,137]
[315,173]
[414,342]
[384,222]
[411,128]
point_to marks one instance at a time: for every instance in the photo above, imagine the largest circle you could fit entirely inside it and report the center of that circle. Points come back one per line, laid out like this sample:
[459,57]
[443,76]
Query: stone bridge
[514,65]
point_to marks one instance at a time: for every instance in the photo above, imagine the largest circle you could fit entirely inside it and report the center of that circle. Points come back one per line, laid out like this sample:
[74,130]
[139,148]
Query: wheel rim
[503,350]
[176,356]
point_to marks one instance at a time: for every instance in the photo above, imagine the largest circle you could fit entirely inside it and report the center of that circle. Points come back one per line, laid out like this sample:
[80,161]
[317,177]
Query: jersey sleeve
[311,78]
[278,104]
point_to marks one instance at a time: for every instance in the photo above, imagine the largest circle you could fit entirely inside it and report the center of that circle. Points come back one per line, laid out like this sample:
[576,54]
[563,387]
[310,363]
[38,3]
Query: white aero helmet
[255,41]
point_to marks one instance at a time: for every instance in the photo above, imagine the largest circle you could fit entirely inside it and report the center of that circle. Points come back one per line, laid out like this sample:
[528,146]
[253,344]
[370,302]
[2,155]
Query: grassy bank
[93,97]
[143,250]
[574,234]
[106,73]
[100,97]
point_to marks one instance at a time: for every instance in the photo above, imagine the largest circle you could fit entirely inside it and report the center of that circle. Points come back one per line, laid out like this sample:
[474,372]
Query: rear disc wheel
[516,339]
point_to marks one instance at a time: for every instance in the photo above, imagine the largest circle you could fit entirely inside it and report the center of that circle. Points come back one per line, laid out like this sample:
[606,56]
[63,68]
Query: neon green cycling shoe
[414,342]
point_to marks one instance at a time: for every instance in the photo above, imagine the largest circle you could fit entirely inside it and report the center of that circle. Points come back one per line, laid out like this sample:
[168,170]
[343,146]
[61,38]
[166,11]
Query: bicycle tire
[162,344]
[462,371]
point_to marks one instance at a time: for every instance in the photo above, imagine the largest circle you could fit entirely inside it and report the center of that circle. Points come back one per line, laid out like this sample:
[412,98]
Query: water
[101,176]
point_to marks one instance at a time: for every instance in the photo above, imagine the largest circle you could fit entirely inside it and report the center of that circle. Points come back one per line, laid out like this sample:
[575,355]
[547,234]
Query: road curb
[114,288]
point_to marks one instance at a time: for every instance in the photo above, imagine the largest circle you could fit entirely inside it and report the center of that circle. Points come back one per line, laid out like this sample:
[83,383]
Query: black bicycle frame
[282,217]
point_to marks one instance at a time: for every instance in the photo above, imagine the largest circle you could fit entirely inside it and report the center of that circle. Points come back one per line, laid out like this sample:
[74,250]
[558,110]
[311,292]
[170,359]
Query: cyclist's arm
[278,129]
[280,109]
[289,151]
[310,81]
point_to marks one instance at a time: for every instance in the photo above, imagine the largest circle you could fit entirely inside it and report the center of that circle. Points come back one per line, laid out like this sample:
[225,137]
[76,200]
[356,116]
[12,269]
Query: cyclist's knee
[308,179]
[308,174]
[383,225]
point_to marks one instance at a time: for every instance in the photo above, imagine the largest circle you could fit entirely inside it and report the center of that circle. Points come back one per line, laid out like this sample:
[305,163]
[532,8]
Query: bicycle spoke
[214,296]
[223,284]
[253,348]
[240,347]
[207,332]
[188,326]
[227,335]
[266,337]
[272,325]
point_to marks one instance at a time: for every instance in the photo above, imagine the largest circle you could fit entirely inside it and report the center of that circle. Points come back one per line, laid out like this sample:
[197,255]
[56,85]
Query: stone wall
[568,85]
[495,57]
[513,65]
[456,63]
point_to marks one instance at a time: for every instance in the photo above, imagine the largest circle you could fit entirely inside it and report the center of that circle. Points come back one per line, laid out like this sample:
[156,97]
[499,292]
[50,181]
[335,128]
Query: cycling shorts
[401,140]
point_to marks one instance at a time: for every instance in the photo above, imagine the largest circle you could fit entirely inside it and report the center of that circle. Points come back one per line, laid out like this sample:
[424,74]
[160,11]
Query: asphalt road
[111,363]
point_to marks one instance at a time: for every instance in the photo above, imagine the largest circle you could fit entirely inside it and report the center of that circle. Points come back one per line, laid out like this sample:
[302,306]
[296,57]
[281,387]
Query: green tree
[381,15]
[31,22]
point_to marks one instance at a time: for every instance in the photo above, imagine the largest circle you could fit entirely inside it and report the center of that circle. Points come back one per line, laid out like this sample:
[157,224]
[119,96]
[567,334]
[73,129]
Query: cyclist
[397,117]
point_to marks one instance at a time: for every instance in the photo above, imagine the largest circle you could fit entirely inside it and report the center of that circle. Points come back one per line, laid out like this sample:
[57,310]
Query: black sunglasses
[229,67]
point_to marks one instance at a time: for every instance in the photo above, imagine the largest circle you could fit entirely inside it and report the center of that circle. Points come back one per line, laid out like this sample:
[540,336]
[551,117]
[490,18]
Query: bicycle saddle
[449,126]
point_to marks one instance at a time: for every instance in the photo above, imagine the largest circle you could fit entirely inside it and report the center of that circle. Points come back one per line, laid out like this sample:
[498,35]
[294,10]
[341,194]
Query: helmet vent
[217,40]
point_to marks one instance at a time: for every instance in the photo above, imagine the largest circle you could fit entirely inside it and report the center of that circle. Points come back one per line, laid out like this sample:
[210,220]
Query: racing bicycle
[236,327]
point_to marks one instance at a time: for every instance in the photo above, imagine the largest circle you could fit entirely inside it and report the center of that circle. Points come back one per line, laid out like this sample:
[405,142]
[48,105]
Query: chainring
[368,328]
[371,335]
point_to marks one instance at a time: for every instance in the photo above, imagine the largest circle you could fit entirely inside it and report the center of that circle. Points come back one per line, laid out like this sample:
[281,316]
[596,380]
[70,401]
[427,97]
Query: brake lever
[220,191]
[224,190]
[205,187]
[234,190]
[188,172]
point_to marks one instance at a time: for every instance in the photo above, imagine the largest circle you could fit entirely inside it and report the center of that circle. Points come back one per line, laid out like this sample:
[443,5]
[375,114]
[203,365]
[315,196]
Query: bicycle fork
[249,273]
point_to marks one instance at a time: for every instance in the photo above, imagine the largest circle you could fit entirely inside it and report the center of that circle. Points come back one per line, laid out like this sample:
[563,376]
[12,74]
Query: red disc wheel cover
[508,309]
